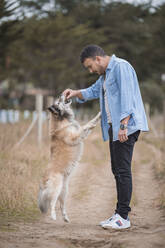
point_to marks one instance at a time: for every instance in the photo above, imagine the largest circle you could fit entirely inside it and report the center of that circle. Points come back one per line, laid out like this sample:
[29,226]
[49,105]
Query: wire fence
[15,116]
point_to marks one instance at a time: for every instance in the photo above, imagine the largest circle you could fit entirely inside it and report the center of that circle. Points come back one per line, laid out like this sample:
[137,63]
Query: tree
[48,55]
[8,33]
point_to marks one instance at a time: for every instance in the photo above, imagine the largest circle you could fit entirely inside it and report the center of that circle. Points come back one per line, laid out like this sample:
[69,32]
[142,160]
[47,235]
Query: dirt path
[92,199]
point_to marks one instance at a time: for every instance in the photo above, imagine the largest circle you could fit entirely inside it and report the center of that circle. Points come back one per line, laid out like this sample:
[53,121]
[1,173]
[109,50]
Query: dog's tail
[43,199]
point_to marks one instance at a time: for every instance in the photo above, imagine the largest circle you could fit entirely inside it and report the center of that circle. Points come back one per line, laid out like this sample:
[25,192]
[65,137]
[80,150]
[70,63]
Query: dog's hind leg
[62,199]
[57,187]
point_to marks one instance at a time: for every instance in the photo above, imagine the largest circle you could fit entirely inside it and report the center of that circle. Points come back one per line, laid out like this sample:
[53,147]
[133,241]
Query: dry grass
[21,169]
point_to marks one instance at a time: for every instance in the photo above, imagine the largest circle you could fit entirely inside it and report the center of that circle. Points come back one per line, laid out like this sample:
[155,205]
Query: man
[123,117]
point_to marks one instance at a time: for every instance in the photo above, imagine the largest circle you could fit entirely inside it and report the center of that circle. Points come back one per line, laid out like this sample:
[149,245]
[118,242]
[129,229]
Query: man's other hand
[122,135]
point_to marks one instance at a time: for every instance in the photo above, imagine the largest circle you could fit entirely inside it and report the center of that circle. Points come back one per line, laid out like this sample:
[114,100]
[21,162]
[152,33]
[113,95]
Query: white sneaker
[118,223]
[104,222]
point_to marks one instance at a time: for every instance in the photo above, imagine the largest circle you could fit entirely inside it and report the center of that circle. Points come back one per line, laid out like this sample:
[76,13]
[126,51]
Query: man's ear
[98,59]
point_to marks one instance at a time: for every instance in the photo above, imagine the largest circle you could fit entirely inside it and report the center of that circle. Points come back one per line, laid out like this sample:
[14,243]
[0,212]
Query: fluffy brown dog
[66,149]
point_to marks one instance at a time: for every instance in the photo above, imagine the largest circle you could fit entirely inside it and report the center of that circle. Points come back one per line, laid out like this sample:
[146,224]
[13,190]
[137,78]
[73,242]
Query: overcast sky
[155,2]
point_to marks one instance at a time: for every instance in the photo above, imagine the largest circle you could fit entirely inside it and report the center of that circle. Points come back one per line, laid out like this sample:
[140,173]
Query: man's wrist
[124,123]
[79,94]
[123,126]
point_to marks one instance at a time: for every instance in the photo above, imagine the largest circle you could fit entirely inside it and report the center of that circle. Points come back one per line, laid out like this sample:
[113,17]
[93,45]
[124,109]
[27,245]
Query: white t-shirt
[106,105]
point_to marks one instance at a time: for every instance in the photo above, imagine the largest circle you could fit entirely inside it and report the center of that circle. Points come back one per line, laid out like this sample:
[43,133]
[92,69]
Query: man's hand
[69,93]
[122,135]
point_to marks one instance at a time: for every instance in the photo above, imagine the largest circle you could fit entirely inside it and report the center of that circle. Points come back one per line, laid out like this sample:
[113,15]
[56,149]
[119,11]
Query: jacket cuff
[124,115]
[84,94]
[80,100]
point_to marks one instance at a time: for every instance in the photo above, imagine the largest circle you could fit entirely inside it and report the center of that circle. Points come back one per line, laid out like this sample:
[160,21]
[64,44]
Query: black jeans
[121,157]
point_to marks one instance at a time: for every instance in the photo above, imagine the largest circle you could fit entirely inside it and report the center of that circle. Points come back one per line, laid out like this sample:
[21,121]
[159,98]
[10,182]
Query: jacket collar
[110,65]
[111,62]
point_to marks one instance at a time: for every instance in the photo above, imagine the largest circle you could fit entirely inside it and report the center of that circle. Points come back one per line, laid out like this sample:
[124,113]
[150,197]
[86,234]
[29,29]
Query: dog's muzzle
[54,109]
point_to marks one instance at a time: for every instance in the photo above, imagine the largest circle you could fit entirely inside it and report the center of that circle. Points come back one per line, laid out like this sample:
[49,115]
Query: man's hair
[91,51]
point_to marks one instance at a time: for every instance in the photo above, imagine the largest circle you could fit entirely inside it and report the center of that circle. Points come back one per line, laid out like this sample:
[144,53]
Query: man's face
[94,65]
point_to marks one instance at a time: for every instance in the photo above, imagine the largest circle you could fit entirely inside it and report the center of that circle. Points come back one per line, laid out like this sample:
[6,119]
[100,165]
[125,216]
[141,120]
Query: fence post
[39,108]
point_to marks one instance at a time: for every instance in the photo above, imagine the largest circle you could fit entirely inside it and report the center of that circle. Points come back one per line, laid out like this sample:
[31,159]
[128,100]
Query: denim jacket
[124,98]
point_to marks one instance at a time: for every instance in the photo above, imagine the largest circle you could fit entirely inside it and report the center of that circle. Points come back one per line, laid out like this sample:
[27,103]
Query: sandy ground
[91,199]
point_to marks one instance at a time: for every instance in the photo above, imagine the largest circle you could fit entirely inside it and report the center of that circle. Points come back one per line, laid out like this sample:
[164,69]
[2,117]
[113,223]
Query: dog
[67,138]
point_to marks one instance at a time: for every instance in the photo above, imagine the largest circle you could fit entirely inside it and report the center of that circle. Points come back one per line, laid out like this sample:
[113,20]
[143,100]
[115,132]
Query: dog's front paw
[94,122]
[92,125]
[98,116]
